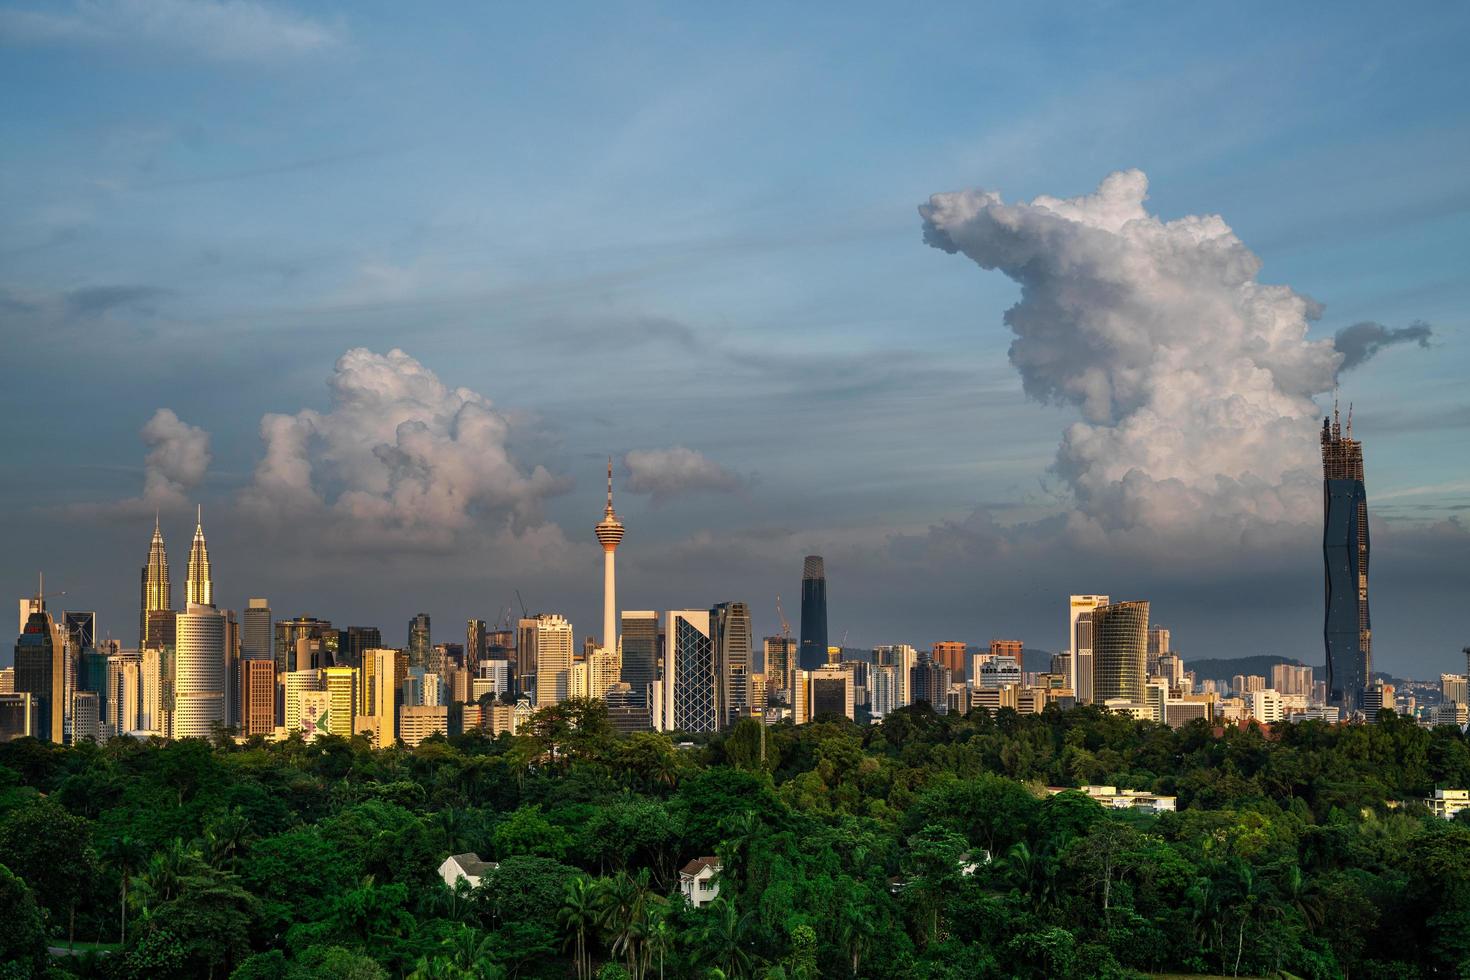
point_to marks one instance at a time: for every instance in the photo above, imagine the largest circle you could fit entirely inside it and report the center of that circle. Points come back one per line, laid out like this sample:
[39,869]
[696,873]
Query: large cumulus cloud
[668,473]
[1194,381]
[398,457]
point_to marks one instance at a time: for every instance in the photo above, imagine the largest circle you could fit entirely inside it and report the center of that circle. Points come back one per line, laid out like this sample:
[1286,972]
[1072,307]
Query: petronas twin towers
[157,591]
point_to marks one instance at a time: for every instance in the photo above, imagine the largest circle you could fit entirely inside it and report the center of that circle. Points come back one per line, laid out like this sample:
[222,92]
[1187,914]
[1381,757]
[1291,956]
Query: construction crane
[524,614]
[785,626]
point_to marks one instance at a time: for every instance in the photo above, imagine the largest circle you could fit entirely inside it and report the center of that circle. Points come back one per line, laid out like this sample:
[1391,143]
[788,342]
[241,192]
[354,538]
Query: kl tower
[609,533]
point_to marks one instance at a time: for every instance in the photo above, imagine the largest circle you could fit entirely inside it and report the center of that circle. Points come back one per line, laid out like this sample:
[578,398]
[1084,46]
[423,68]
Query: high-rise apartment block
[551,641]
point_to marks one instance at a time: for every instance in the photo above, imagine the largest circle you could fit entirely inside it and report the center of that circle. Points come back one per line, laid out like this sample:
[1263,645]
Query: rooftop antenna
[1350,420]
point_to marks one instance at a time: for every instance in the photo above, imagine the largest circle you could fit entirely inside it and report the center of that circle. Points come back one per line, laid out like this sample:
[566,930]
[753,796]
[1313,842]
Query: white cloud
[667,473]
[399,460]
[1193,380]
[178,457]
[223,30]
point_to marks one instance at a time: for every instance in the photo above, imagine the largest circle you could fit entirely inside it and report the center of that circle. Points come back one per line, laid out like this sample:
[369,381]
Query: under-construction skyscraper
[1347,629]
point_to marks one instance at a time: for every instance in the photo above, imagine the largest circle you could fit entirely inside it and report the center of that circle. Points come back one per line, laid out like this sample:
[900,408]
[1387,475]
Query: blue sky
[639,227]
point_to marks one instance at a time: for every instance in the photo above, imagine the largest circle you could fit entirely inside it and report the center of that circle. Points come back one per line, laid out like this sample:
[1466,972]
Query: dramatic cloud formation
[1361,341]
[178,457]
[1194,381]
[398,459]
[225,30]
[666,473]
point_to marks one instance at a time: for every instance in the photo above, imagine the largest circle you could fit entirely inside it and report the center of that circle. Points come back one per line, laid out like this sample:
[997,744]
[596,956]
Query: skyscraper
[255,631]
[354,642]
[419,643]
[199,587]
[692,690]
[952,654]
[731,634]
[1347,630]
[553,641]
[781,665]
[40,670]
[1079,640]
[81,628]
[609,532]
[813,613]
[1120,651]
[640,651]
[199,671]
[156,592]
[474,643]
[289,632]
[257,696]
[386,695]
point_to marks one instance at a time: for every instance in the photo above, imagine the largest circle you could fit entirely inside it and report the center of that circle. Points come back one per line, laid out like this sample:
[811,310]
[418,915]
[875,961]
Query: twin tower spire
[157,590]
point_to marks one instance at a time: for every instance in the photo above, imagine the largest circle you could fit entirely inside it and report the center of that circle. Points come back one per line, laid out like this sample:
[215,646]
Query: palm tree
[225,836]
[125,855]
[164,874]
[579,914]
[725,938]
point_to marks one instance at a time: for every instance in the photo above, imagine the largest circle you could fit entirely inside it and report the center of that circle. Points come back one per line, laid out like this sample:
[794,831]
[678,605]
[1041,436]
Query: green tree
[23,938]
[51,850]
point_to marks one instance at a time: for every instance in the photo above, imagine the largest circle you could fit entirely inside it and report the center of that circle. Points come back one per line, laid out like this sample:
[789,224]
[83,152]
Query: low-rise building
[697,881]
[467,866]
[1448,802]
[1127,799]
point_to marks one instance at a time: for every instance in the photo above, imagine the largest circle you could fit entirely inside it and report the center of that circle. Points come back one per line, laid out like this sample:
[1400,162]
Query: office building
[1079,640]
[731,636]
[1001,671]
[419,643]
[813,651]
[86,716]
[1264,705]
[1452,687]
[1120,651]
[255,630]
[1015,649]
[257,696]
[1347,629]
[952,655]
[40,671]
[1291,679]
[474,643]
[124,692]
[639,668]
[296,706]
[17,716]
[81,629]
[199,586]
[199,671]
[1376,697]
[155,681]
[354,642]
[340,684]
[609,533]
[155,591]
[832,691]
[692,689]
[28,604]
[290,633]
[385,694]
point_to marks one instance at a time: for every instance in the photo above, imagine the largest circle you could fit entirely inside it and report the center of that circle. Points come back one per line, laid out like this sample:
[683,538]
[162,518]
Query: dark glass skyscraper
[1347,629]
[418,640]
[813,614]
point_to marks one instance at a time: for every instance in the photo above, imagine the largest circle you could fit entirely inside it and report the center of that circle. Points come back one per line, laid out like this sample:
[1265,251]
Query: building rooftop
[699,864]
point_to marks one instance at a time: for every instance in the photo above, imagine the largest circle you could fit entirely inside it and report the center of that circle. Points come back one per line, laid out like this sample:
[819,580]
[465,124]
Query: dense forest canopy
[845,852]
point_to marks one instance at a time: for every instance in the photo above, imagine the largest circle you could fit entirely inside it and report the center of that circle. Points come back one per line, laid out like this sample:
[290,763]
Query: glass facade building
[730,622]
[813,614]
[1347,630]
[640,651]
[1120,651]
[692,688]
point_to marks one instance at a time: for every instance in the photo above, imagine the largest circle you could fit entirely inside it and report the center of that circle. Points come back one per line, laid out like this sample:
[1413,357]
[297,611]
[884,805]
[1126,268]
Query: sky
[382,287]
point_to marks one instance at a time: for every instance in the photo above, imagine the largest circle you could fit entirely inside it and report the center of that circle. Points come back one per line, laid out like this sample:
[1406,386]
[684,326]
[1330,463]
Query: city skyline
[724,285]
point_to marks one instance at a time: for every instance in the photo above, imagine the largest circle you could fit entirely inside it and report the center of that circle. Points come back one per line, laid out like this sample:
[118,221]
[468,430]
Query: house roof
[699,864]
[470,863]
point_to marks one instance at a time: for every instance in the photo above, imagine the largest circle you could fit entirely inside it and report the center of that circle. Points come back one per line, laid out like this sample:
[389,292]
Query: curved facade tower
[199,587]
[199,672]
[1347,629]
[1119,651]
[156,595]
[609,532]
[813,614]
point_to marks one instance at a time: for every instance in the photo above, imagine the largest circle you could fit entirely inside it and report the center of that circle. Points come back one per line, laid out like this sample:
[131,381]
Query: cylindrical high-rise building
[813,614]
[199,671]
[1120,651]
[609,532]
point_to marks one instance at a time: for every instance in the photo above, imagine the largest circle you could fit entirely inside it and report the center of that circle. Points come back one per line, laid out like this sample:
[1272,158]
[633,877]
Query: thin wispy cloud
[220,30]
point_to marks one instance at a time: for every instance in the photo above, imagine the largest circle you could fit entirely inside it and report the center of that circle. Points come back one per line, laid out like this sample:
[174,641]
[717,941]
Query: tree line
[926,846]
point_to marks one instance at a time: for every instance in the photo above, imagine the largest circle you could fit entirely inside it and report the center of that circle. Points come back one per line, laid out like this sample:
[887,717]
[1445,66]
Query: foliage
[926,846]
